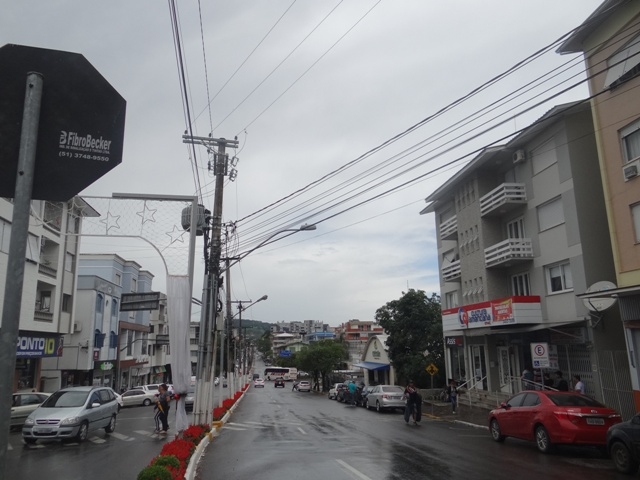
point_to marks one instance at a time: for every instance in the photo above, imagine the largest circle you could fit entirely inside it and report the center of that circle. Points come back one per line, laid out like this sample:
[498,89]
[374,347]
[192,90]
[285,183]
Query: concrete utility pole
[17,251]
[220,167]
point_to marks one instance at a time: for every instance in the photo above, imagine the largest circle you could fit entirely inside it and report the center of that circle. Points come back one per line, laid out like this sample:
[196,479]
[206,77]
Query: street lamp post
[241,336]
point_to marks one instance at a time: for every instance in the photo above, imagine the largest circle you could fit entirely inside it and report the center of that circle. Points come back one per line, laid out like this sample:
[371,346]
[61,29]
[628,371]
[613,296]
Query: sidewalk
[475,416]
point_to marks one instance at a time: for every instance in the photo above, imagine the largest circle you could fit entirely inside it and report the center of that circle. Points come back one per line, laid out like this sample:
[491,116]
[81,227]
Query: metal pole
[17,251]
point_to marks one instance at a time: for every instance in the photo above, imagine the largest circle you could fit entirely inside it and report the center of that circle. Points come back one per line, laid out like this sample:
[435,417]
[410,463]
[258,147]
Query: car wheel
[494,427]
[112,425]
[622,458]
[378,408]
[82,433]
[542,440]
[146,402]
[30,441]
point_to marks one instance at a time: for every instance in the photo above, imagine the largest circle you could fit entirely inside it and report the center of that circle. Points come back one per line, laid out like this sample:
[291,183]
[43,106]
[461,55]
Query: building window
[635,217]
[33,250]
[630,138]
[520,285]
[114,307]
[45,301]
[98,341]
[134,285]
[515,229]
[99,304]
[543,156]
[129,342]
[624,64]
[550,214]
[118,279]
[559,278]
[113,339]
[69,261]
[66,303]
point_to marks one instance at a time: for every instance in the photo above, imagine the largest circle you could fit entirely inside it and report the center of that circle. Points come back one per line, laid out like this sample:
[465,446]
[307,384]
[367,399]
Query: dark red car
[279,383]
[553,418]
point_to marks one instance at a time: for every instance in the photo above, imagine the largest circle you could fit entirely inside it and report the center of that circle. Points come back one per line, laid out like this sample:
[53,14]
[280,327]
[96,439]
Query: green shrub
[167,460]
[155,472]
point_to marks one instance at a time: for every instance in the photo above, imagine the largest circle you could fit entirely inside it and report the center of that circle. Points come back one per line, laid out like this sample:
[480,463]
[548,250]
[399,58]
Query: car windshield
[66,399]
[573,401]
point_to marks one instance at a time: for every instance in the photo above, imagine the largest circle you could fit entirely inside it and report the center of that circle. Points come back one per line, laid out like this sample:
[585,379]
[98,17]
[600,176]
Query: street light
[244,352]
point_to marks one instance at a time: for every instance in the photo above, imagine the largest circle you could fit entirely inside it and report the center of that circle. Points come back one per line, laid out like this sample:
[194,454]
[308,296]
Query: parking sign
[540,355]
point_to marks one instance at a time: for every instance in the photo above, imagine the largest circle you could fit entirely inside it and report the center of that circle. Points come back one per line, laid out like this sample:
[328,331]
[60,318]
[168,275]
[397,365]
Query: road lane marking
[9,447]
[235,424]
[227,427]
[357,473]
[120,436]
[302,431]
[97,440]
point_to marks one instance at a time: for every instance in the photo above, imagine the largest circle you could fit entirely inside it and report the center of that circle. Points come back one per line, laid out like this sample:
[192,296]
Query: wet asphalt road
[279,434]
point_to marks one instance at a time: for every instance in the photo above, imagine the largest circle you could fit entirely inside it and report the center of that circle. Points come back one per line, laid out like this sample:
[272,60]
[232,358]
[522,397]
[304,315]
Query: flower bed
[174,457]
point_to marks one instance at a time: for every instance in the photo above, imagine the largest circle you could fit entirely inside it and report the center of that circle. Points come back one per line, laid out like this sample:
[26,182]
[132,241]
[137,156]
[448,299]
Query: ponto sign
[540,355]
[41,346]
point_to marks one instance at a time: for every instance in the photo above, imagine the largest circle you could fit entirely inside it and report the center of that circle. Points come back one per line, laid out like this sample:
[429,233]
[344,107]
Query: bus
[287,374]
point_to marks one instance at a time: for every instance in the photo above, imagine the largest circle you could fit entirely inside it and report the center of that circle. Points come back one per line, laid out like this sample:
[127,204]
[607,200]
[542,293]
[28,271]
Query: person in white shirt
[578,385]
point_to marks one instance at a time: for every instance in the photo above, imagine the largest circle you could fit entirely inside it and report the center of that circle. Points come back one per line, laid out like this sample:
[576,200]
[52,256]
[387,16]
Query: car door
[508,414]
[92,411]
[524,416]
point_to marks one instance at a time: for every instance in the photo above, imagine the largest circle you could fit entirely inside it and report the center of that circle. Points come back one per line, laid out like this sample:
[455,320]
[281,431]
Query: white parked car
[304,386]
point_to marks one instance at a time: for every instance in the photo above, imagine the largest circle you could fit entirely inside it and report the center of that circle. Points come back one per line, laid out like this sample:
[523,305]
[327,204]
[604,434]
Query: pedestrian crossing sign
[431,369]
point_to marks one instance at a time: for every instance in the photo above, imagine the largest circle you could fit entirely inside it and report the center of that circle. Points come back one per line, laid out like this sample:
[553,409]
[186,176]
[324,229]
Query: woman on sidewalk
[162,414]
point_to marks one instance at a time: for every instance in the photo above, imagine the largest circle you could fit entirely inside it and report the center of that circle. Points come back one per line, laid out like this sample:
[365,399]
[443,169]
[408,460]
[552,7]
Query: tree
[414,325]
[263,344]
[321,358]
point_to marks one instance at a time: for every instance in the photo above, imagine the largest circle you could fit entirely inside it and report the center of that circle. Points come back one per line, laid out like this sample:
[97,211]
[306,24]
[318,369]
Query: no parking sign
[540,355]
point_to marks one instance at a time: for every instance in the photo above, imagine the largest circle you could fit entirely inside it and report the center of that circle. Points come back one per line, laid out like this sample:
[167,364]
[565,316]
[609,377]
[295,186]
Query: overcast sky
[309,87]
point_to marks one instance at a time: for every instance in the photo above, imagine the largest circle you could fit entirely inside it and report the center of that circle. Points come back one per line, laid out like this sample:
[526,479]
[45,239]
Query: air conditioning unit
[630,171]
[519,156]
[77,327]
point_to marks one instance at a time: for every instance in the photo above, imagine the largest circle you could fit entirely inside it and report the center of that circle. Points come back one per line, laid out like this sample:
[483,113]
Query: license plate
[595,421]
[44,430]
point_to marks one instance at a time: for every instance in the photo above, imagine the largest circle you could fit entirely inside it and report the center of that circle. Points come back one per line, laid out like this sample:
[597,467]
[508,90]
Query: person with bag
[162,405]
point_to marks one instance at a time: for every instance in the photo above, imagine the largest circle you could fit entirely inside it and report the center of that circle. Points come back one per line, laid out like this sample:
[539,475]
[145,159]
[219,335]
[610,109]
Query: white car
[258,382]
[333,391]
[138,397]
[304,386]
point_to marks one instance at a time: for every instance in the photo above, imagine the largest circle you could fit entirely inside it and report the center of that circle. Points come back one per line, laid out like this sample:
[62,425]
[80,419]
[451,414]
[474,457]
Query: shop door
[479,367]
[505,369]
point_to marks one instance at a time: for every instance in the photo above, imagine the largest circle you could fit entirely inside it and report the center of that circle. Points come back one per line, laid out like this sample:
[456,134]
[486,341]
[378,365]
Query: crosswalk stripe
[120,436]
[97,440]
[226,427]
[9,447]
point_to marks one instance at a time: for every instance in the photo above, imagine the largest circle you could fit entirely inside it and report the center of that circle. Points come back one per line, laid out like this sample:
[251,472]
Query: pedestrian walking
[561,384]
[527,378]
[578,384]
[452,391]
[413,406]
[295,385]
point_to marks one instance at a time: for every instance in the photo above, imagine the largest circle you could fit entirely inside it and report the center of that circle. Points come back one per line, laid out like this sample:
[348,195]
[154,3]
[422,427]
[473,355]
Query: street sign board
[540,355]
[81,126]
[285,353]
[431,369]
[140,301]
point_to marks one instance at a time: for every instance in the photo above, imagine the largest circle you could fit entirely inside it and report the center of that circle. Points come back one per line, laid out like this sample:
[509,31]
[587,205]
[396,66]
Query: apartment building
[133,360]
[48,300]
[609,39]
[356,334]
[521,230]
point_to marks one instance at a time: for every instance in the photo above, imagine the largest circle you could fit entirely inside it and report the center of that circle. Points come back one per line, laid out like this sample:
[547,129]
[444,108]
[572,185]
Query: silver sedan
[385,397]
[136,397]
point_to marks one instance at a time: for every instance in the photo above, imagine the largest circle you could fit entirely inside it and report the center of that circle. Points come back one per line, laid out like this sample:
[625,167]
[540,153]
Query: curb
[216,426]
[461,422]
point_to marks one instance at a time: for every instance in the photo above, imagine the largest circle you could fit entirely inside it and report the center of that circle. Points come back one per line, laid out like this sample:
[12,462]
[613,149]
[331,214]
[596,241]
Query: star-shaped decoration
[147,214]
[110,222]
[176,234]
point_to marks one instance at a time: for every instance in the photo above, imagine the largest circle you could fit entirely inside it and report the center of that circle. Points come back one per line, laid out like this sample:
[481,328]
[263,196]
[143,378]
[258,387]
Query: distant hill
[254,328]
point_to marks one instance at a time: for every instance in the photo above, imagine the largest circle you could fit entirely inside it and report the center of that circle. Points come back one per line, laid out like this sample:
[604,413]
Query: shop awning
[524,328]
[372,365]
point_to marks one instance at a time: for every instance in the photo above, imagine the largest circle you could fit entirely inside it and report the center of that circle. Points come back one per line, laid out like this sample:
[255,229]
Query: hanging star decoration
[147,214]
[176,234]
[110,222]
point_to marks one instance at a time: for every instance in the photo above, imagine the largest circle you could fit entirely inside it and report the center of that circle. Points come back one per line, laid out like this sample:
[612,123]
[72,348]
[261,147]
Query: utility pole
[220,167]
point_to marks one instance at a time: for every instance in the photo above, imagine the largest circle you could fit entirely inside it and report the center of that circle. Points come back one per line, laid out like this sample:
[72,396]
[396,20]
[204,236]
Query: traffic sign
[540,355]
[431,369]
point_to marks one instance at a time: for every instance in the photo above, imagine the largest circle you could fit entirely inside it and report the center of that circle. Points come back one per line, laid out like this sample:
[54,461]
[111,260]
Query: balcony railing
[46,270]
[508,251]
[43,315]
[449,228]
[451,271]
[504,198]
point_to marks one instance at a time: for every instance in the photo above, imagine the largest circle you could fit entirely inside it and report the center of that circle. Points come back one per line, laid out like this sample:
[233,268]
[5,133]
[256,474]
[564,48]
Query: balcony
[449,228]
[451,271]
[502,199]
[508,252]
